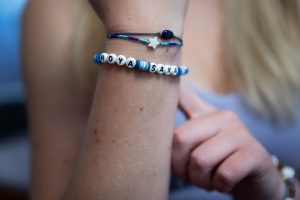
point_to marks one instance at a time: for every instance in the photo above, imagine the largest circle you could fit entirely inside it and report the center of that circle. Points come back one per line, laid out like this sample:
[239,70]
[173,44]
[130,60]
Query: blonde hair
[263,51]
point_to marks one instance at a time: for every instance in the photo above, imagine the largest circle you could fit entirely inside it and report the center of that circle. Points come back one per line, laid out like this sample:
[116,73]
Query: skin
[59,98]
[239,164]
[63,128]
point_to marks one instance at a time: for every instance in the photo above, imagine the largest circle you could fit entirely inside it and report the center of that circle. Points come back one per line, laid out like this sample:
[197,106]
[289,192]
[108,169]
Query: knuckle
[179,138]
[199,161]
[225,180]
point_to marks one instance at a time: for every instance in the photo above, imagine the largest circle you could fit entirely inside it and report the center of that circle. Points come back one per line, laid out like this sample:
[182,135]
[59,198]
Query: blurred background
[14,148]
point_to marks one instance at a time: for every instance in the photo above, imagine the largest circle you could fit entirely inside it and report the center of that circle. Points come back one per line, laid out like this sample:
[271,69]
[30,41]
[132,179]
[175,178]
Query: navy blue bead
[138,64]
[112,35]
[172,43]
[167,34]
[133,38]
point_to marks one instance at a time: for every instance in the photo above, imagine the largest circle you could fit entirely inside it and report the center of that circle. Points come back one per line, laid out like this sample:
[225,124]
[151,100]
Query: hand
[141,15]
[213,150]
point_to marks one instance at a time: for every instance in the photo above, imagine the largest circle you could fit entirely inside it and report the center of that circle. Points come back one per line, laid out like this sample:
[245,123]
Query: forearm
[127,147]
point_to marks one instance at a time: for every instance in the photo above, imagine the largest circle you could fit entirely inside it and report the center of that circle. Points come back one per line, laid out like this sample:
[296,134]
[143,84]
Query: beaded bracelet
[288,176]
[151,42]
[140,64]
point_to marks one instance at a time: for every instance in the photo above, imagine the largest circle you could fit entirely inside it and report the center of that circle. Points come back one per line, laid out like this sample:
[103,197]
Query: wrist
[163,55]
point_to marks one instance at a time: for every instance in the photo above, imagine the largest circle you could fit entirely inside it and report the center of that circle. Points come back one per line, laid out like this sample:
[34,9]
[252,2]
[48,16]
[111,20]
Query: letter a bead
[160,68]
[131,62]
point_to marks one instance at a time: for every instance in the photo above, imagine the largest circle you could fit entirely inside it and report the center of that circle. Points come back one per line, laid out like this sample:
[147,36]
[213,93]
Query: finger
[192,105]
[207,156]
[233,170]
[188,136]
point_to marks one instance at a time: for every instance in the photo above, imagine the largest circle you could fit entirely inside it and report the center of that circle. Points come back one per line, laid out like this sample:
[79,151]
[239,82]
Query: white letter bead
[167,69]
[103,57]
[153,67]
[131,62]
[174,70]
[160,68]
[112,58]
[121,60]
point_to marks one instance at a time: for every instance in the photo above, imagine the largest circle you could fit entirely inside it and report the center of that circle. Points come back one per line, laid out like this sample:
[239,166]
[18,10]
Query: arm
[58,97]
[126,152]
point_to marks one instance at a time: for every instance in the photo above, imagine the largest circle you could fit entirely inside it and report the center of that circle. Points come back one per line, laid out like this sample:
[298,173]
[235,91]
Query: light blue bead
[143,65]
[123,36]
[165,44]
[147,65]
[186,71]
[144,41]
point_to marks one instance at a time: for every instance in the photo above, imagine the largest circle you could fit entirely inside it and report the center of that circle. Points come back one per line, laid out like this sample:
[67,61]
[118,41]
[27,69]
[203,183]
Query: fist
[214,151]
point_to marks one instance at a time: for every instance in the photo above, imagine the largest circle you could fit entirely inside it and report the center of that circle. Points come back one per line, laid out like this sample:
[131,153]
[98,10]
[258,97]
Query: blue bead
[112,35]
[187,71]
[138,64]
[148,67]
[167,34]
[179,71]
[97,58]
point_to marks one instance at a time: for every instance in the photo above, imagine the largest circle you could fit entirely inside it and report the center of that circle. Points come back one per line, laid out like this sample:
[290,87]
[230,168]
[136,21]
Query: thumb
[192,105]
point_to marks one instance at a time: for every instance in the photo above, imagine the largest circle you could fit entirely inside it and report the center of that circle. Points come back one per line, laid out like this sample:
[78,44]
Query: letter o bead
[112,58]
[131,62]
